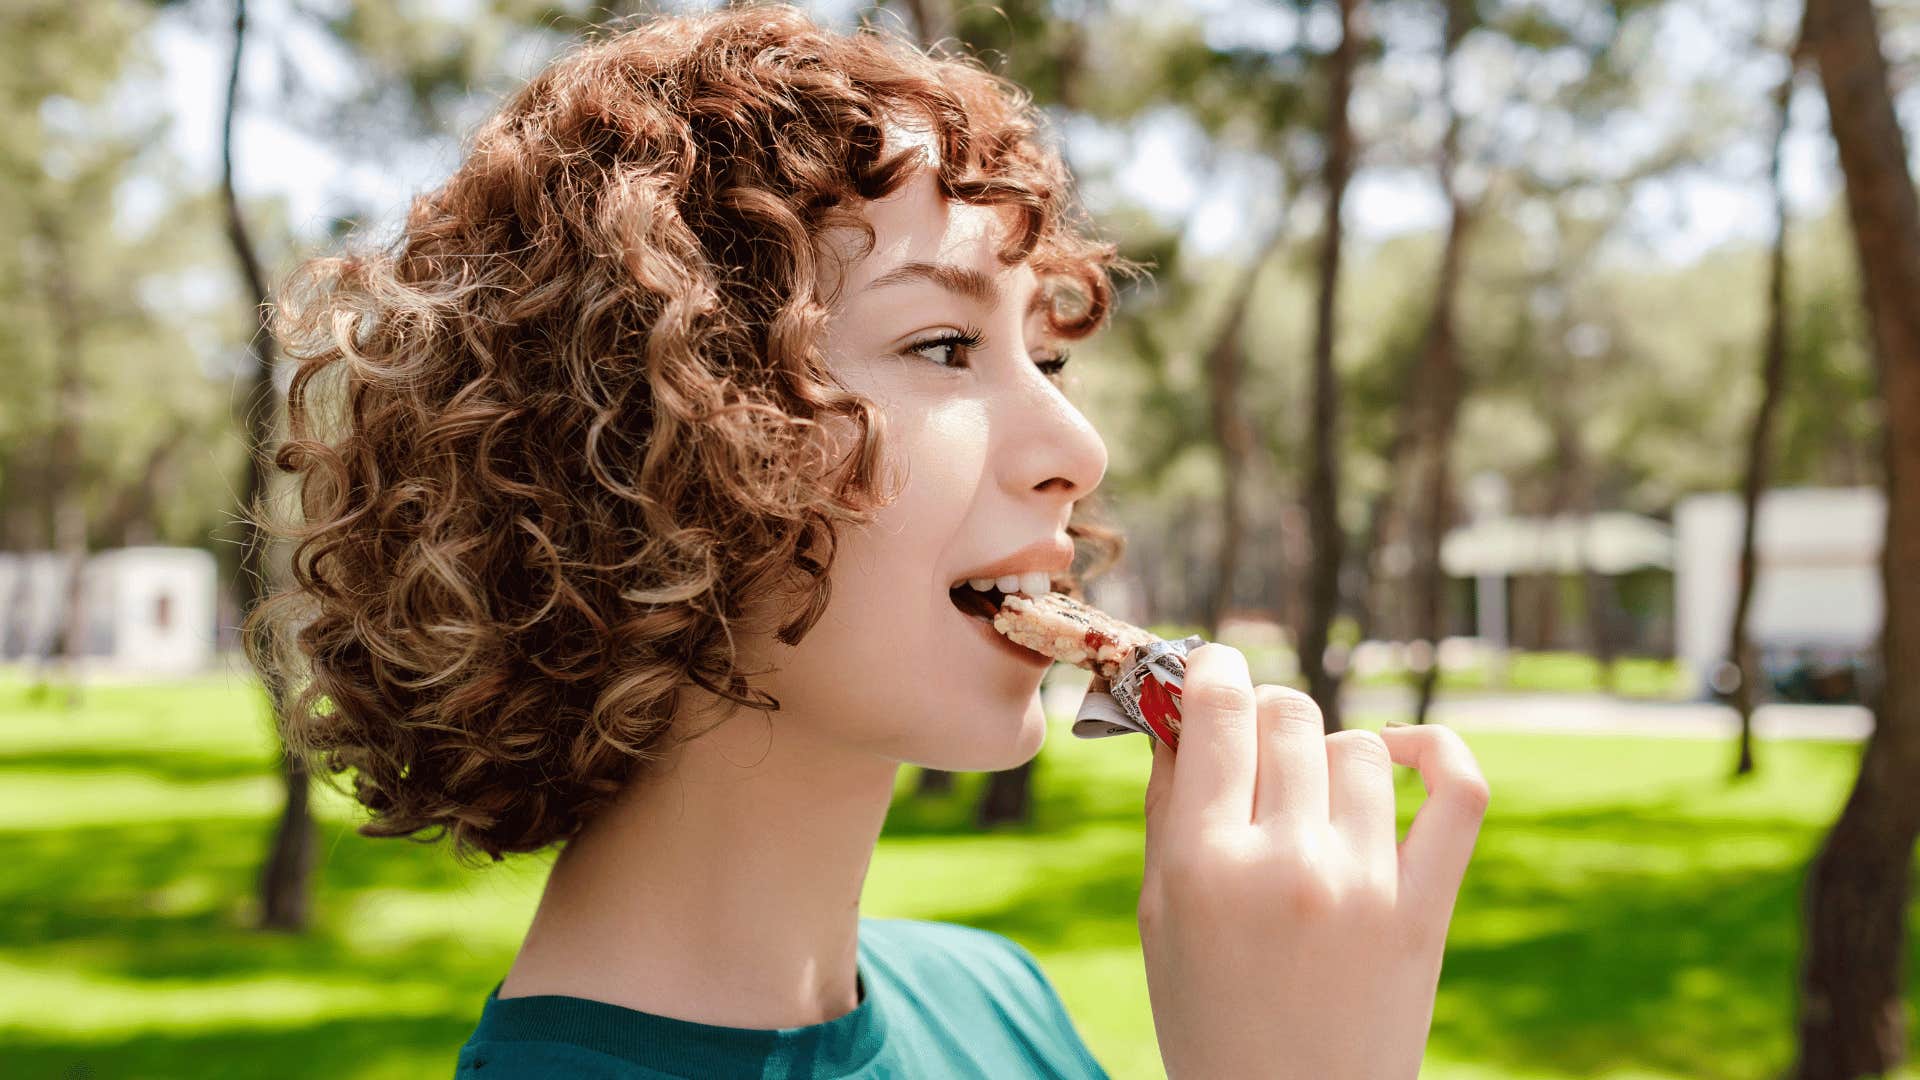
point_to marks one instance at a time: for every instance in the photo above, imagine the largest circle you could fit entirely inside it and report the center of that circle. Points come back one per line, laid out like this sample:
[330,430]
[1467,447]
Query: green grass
[1628,914]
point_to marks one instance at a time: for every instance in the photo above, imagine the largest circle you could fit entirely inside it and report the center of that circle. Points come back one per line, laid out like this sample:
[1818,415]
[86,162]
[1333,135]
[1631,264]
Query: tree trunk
[1008,799]
[131,518]
[1597,588]
[933,782]
[932,20]
[1374,535]
[1773,371]
[284,879]
[66,481]
[1226,362]
[1440,386]
[1852,1020]
[1323,470]
[1575,495]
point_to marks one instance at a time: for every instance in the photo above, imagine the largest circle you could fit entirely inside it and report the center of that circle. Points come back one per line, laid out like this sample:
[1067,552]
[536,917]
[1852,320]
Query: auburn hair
[551,440]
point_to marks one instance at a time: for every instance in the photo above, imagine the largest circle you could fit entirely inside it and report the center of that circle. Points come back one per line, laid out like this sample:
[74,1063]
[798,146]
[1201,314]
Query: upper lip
[1054,556]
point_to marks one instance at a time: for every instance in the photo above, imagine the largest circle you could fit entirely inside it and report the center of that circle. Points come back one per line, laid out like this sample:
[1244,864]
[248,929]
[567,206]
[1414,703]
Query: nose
[1046,445]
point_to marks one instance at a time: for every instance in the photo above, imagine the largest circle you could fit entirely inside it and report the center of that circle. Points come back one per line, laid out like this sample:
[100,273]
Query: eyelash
[972,339]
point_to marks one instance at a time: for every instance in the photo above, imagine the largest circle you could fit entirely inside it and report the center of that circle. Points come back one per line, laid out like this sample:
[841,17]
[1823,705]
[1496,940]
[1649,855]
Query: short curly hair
[551,440]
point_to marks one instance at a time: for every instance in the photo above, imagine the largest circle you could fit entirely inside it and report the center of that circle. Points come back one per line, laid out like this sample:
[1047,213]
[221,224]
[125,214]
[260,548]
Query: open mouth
[971,601]
[981,604]
[981,599]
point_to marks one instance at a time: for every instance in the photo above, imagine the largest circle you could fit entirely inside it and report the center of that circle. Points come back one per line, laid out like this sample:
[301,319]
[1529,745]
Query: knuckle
[1472,793]
[1312,896]
[1218,698]
[1378,885]
[1206,875]
[1184,870]
[1284,704]
[1362,747]
[1152,909]
[1306,879]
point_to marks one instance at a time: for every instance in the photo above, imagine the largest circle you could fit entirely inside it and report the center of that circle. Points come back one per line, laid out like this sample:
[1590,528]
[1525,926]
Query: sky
[1676,219]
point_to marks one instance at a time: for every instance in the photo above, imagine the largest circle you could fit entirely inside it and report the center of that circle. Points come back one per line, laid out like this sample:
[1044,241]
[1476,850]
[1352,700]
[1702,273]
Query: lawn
[1629,914]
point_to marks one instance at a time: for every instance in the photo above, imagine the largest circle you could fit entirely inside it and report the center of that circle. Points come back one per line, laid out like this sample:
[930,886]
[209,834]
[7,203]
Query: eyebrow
[963,280]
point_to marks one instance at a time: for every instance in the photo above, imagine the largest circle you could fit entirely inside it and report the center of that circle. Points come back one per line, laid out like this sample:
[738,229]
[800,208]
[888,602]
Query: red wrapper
[1143,697]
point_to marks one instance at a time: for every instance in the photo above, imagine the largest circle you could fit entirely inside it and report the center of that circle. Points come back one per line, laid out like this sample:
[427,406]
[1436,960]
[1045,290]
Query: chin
[998,739]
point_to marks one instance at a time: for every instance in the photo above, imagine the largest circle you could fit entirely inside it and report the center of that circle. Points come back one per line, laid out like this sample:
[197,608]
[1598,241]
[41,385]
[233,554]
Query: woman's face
[988,458]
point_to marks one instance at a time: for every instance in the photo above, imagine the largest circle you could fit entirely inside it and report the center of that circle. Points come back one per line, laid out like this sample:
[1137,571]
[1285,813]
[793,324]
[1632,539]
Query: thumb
[1159,789]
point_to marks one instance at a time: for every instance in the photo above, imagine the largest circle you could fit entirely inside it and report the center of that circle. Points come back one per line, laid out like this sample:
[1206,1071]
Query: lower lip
[1002,642]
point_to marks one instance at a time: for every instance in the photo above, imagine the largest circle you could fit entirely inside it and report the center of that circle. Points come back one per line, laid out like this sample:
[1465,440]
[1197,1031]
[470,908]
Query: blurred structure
[144,610]
[1817,599]
[1535,567]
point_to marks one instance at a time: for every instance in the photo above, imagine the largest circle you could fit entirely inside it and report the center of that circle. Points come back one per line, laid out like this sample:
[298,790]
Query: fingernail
[1396,723]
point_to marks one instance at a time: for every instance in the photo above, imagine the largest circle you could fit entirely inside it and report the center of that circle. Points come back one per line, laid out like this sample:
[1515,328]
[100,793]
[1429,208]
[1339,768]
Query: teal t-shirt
[936,1000]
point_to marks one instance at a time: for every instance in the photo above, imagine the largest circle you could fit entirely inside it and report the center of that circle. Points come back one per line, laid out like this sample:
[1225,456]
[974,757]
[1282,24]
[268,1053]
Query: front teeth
[1037,583]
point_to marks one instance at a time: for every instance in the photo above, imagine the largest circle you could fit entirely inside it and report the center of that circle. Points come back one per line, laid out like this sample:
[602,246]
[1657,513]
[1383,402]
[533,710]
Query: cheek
[892,666]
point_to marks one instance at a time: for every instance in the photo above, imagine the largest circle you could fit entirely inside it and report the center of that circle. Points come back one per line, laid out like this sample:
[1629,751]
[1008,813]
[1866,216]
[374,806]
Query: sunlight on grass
[1629,913]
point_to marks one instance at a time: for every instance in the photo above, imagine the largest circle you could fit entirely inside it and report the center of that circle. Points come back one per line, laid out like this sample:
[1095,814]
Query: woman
[642,481]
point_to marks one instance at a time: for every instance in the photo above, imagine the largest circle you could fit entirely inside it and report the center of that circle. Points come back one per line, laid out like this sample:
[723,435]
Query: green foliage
[110,302]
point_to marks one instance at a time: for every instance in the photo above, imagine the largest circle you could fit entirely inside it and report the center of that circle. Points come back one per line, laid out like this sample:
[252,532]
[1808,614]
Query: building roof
[1613,542]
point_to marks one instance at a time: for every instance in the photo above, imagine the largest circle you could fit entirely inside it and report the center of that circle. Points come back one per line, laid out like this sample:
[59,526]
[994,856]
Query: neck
[723,886]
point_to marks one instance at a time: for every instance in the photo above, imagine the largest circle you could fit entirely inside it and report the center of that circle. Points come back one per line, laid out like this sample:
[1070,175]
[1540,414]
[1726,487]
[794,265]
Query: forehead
[916,223]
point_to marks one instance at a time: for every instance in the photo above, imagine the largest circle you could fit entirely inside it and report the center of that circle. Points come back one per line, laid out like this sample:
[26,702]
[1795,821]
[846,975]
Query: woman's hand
[1285,933]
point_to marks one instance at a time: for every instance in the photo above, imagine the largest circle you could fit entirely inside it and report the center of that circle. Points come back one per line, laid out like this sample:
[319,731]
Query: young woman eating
[641,479]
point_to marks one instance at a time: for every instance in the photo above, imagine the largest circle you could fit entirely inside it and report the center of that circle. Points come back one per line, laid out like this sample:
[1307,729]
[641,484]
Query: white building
[146,610]
[1818,583]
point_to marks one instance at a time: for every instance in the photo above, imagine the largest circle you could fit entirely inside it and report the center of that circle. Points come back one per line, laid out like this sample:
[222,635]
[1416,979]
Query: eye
[962,343]
[1054,365]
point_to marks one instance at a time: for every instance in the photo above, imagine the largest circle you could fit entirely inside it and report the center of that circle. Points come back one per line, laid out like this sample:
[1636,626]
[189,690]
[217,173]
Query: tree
[1437,388]
[1226,363]
[1852,1012]
[416,70]
[1323,469]
[284,893]
[92,359]
[1773,368]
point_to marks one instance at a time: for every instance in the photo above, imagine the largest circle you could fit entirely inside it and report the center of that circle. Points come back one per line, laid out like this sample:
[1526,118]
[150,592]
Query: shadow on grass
[342,1047]
[178,766]
[171,900]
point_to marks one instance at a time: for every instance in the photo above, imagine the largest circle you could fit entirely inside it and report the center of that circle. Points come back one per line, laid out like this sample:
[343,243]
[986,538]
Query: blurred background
[1547,368]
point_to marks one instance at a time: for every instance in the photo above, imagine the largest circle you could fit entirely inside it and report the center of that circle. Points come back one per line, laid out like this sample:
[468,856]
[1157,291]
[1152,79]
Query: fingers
[1292,784]
[1214,775]
[1440,841]
[1361,773]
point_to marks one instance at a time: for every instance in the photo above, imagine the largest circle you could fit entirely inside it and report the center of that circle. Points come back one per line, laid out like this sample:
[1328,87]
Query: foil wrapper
[1143,697]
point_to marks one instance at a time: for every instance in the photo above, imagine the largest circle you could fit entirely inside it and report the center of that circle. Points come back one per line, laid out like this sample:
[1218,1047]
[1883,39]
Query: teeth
[1037,583]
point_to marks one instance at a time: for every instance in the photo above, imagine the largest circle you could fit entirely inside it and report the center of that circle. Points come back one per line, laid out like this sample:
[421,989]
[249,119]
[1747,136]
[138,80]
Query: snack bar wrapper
[1143,697]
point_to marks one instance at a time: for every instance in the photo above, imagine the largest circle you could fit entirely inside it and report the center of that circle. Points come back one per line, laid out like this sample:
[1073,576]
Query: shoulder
[981,982]
[924,948]
[940,961]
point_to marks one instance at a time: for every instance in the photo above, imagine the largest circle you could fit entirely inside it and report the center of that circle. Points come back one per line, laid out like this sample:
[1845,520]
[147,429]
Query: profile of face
[987,458]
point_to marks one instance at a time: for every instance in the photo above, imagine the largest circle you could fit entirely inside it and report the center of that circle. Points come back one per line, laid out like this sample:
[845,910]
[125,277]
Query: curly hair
[552,439]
